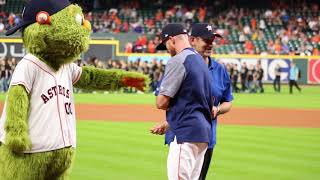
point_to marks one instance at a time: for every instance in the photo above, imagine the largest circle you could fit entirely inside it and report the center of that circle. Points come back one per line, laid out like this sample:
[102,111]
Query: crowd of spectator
[282,29]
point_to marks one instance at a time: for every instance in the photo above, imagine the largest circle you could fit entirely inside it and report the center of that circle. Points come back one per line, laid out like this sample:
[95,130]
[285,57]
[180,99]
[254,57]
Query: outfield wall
[106,49]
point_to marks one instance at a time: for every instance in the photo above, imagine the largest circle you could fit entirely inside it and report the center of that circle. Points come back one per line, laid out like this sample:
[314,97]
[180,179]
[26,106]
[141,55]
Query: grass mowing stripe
[282,140]
[120,158]
[271,158]
[277,150]
[260,162]
[266,129]
[243,170]
[106,150]
[271,132]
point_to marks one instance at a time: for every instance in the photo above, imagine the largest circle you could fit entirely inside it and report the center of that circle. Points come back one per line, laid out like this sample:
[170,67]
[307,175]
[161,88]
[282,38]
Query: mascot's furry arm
[16,126]
[113,79]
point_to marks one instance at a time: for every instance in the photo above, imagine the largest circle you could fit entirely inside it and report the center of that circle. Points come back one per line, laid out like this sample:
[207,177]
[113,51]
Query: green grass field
[309,98]
[127,151]
[114,150]
[118,150]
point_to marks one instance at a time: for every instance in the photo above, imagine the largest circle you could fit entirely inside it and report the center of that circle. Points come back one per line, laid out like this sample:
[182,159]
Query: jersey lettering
[67,106]
[60,89]
[54,91]
[44,98]
[50,93]
[67,95]
[64,91]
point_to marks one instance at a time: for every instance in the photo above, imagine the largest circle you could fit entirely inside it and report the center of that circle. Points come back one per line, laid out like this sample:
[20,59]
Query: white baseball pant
[185,160]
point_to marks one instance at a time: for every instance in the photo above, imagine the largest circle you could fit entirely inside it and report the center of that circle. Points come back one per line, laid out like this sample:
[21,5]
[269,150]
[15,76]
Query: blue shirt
[294,71]
[221,92]
[188,82]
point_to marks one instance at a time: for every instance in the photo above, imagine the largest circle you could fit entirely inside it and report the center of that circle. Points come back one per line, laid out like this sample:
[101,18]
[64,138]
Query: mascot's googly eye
[43,17]
[79,19]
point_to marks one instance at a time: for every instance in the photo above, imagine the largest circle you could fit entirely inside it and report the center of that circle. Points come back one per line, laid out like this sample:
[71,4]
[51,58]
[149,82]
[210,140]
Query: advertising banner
[285,67]
[268,66]
[15,50]
[314,71]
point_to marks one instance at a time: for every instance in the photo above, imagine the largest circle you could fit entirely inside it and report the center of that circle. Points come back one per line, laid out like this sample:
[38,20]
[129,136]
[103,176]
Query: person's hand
[215,111]
[160,128]
[138,83]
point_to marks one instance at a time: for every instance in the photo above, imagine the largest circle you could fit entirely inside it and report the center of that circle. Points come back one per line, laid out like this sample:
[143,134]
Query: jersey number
[67,106]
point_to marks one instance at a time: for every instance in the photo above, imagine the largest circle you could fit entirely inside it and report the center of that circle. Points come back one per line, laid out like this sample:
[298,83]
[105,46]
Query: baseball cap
[203,30]
[33,7]
[172,29]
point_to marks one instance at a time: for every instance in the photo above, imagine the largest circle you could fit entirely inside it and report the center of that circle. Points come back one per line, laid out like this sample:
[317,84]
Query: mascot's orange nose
[87,25]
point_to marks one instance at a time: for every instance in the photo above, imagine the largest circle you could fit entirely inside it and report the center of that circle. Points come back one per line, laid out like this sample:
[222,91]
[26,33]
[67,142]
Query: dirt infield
[239,116]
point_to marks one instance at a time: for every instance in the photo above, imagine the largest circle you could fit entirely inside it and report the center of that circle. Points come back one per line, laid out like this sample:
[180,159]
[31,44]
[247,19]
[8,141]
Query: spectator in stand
[159,15]
[202,13]
[151,47]
[253,23]
[242,38]
[249,47]
[128,47]
[315,52]
[125,27]
[277,47]
[139,45]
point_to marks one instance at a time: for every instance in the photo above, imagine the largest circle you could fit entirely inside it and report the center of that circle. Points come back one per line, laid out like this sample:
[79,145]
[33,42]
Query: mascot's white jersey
[52,123]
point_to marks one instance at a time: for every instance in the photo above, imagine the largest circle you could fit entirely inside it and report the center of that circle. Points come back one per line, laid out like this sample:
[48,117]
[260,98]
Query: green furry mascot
[37,127]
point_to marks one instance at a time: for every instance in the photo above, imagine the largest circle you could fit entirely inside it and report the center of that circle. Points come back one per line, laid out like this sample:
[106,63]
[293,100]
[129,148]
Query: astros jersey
[187,82]
[221,92]
[51,120]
